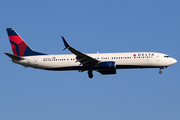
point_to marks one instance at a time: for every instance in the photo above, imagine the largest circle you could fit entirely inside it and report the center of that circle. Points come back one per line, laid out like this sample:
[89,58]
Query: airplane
[104,63]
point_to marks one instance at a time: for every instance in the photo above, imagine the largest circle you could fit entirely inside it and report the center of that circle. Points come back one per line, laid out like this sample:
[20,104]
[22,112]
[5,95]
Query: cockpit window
[166,56]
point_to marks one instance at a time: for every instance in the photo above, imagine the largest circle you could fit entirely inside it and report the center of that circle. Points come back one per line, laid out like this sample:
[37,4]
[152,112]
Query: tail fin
[19,47]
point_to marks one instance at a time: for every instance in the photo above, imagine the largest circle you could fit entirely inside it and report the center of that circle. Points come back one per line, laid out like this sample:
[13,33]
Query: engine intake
[107,68]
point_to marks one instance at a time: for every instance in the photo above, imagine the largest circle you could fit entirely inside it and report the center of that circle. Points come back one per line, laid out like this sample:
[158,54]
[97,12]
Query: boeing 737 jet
[104,63]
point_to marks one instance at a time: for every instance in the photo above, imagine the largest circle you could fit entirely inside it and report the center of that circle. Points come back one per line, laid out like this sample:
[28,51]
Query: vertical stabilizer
[19,47]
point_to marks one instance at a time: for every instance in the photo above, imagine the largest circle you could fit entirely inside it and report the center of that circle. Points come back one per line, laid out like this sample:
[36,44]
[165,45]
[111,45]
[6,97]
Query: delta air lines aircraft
[104,63]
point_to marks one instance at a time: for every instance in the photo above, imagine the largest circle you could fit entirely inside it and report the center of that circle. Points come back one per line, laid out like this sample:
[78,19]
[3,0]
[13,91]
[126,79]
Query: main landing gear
[90,74]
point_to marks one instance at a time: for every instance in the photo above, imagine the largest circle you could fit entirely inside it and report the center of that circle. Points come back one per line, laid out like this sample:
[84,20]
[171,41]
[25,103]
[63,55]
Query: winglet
[65,43]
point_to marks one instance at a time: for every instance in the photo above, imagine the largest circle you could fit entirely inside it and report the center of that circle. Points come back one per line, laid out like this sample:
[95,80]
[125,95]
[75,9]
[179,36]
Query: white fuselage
[122,60]
[104,63]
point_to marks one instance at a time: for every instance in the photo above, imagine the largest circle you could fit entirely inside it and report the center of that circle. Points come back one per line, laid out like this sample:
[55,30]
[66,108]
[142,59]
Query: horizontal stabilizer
[14,57]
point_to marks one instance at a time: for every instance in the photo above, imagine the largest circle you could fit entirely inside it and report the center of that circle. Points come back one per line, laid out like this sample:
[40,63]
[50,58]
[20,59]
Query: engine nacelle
[107,67]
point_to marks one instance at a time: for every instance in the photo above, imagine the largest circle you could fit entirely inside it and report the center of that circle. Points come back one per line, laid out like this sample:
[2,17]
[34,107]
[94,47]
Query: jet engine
[107,68]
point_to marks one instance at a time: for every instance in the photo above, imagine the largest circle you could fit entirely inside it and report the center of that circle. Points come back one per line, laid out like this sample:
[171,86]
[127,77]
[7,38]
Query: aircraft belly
[126,64]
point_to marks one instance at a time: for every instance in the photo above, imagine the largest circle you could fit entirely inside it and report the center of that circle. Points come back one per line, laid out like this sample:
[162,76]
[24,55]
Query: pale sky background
[91,26]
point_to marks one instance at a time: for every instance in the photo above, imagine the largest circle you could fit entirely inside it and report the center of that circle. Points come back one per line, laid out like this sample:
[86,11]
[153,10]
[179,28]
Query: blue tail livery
[19,47]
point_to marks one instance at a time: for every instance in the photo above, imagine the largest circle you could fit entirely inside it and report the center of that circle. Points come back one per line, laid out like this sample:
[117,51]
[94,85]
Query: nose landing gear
[160,72]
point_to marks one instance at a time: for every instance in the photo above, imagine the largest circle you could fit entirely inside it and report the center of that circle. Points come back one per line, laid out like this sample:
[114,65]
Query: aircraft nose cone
[174,61]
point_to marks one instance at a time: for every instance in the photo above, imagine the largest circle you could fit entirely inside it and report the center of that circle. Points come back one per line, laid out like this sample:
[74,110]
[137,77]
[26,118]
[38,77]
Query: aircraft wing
[84,59]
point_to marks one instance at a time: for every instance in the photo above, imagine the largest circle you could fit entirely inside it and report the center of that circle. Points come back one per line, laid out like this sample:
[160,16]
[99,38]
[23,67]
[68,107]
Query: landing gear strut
[160,72]
[90,74]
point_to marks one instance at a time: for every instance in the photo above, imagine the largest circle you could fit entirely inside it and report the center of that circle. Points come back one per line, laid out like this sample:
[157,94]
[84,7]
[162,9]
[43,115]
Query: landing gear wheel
[160,72]
[90,74]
